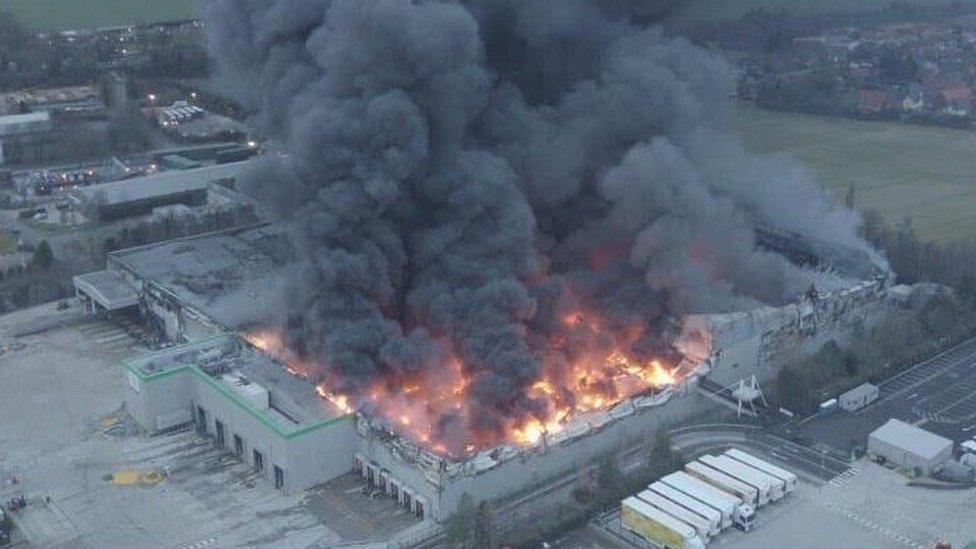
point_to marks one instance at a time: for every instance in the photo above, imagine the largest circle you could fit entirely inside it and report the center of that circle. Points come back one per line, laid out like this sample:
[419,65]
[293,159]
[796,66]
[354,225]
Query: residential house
[873,101]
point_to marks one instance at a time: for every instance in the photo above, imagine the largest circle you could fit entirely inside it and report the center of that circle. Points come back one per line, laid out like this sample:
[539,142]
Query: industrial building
[192,288]
[139,195]
[19,132]
[910,447]
[248,404]
[202,292]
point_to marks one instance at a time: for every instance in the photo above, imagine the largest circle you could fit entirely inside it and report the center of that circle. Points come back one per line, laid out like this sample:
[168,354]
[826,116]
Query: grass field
[89,14]
[926,174]
[732,9]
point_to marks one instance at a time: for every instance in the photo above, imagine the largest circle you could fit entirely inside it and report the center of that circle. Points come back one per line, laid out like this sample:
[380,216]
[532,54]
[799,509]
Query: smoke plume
[460,175]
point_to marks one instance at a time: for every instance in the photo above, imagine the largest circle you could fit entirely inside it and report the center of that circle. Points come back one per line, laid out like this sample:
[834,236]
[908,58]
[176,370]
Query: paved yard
[938,395]
[64,434]
[872,508]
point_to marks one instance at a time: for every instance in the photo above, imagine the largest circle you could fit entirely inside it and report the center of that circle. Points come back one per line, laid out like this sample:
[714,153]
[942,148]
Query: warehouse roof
[159,184]
[23,123]
[108,288]
[235,369]
[911,439]
[224,274]
[41,116]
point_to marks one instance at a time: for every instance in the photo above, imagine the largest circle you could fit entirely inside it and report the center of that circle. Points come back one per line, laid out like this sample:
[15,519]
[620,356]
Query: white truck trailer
[748,494]
[701,525]
[733,510]
[711,514]
[657,526]
[773,488]
[788,478]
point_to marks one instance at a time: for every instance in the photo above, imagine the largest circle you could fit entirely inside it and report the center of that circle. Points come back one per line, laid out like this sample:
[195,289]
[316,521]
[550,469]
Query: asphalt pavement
[938,394]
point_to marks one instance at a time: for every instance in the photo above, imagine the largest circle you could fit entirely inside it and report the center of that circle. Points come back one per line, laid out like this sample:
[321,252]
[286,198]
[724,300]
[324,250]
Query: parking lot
[938,395]
[904,382]
[874,509]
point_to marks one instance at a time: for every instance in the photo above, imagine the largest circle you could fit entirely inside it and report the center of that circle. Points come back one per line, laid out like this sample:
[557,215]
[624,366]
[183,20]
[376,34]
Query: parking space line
[925,371]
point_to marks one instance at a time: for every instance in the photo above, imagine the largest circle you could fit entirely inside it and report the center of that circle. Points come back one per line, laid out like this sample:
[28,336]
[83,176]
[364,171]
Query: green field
[90,14]
[733,9]
[926,174]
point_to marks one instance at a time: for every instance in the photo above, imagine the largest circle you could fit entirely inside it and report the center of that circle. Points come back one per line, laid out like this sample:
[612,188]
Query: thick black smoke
[460,173]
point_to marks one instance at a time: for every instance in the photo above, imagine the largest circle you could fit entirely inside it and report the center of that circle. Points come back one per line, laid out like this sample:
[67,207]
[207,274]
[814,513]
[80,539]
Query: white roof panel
[911,438]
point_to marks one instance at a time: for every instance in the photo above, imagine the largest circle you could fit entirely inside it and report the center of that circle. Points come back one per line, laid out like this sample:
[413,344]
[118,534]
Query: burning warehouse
[497,262]
[237,385]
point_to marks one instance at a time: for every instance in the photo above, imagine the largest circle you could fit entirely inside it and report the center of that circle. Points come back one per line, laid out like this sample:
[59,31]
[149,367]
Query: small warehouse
[909,446]
[139,195]
[858,397]
[22,135]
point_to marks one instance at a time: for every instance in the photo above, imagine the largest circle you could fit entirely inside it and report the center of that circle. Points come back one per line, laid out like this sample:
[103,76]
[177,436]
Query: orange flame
[573,383]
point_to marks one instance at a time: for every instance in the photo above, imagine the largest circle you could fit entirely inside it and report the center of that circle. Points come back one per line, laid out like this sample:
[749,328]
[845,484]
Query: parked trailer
[733,510]
[656,526]
[769,486]
[709,513]
[748,494]
[701,525]
[787,477]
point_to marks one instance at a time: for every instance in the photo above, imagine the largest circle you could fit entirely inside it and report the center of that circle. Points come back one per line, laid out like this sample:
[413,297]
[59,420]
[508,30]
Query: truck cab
[745,519]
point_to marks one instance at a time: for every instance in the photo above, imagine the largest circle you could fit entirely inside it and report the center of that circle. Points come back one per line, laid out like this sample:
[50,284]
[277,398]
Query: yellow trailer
[657,527]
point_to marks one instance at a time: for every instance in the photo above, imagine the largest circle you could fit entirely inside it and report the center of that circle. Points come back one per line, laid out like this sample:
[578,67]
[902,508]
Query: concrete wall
[306,459]
[159,404]
[164,313]
[309,459]
[324,454]
[763,341]
[522,475]
[904,458]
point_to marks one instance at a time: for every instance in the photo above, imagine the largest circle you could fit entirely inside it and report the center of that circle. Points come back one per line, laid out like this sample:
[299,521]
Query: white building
[910,447]
[248,404]
[22,127]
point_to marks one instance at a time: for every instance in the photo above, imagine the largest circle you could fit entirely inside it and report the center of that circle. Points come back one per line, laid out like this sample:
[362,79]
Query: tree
[849,199]
[43,256]
[460,527]
[483,526]
[898,68]
[609,479]
[662,458]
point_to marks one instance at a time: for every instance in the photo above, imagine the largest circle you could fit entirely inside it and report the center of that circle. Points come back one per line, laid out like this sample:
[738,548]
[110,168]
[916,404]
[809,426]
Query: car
[968,445]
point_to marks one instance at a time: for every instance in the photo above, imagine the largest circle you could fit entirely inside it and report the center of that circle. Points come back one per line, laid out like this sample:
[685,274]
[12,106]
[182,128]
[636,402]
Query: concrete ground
[355,516]
[874,509]
[64,434]
[867,506]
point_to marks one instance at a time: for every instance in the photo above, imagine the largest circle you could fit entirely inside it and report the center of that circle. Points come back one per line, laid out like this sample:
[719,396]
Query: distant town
[915,72]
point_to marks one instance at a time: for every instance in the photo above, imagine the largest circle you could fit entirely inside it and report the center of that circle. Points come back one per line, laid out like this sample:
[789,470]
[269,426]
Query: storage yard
[874,508]
[689,508]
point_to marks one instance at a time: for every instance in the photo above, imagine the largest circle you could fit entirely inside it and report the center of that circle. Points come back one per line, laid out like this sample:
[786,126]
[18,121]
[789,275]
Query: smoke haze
[461,175]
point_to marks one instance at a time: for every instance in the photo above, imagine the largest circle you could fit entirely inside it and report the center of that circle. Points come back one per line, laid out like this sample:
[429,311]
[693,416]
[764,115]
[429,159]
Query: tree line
[903,339]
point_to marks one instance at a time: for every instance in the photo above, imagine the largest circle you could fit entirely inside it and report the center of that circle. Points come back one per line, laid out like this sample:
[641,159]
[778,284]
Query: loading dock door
[219,428]
[279,477]
[201,420]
